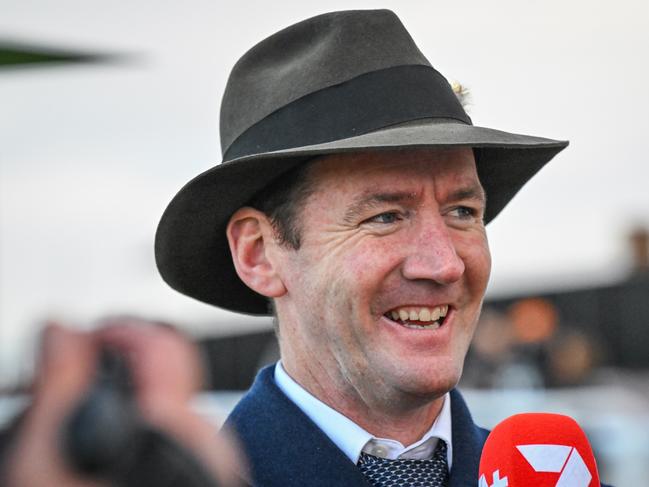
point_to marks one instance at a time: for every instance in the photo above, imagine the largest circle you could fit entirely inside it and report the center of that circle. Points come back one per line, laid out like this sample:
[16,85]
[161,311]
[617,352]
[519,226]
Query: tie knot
[383,472]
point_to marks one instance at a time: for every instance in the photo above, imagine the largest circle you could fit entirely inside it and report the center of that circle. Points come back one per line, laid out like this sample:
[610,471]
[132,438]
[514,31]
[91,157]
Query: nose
[432,254]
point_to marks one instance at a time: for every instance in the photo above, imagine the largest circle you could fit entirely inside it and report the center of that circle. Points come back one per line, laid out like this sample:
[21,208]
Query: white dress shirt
[352,439]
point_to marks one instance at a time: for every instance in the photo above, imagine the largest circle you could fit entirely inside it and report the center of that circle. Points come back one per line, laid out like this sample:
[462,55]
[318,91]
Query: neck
[407,427]
[395,415]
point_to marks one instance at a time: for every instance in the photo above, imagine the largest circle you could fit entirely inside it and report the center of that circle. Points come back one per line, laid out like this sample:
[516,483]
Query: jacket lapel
[468,440]
[284,447]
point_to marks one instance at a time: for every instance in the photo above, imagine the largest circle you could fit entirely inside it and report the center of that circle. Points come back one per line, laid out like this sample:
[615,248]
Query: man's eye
[385,218]
[464,212]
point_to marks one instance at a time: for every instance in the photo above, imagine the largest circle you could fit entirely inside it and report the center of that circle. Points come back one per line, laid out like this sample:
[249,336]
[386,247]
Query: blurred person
[535,322]
[166,372]
[571,359]
[351,204]
[546,352]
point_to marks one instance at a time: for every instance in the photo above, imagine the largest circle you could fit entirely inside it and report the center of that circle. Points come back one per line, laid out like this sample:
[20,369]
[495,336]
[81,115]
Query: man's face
[390,241]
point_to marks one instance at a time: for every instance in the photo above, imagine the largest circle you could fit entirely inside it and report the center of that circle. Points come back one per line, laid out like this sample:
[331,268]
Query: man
[351,203]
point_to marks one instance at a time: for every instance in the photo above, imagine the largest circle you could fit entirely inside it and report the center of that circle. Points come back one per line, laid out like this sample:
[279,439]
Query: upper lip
[419,304]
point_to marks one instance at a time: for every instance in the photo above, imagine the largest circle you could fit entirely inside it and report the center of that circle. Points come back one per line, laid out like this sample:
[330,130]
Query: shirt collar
[351,438]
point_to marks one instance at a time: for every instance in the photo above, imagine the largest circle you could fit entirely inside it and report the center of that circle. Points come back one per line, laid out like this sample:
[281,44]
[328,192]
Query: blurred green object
[17,55]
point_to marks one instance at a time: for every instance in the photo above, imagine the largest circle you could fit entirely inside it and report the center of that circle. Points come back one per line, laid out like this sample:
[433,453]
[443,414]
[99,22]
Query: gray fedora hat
[339,82]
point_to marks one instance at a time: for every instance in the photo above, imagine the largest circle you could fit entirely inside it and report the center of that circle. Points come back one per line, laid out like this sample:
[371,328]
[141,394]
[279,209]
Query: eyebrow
[370,200]
[474,192]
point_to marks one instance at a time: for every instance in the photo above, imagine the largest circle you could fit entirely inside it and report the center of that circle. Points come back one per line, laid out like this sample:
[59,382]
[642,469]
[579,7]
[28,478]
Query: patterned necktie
[382,472]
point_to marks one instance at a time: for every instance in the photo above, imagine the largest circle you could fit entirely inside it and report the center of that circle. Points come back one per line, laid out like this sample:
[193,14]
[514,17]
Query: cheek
[474,251]
[369,264]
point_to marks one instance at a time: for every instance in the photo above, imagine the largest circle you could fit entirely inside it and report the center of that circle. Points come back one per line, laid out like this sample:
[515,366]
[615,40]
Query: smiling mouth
[419,317]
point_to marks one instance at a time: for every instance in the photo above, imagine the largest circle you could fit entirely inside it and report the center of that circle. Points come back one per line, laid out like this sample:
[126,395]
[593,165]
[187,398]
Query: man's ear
[251,235]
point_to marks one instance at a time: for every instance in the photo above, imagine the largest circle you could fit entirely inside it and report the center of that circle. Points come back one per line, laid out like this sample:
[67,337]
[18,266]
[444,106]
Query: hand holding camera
[112,407]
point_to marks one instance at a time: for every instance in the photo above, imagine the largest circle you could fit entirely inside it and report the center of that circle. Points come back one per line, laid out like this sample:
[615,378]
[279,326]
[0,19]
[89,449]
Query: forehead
[447,169]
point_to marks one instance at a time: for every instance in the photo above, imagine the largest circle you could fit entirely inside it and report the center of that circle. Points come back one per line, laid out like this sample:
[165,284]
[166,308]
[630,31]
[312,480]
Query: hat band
[363,104]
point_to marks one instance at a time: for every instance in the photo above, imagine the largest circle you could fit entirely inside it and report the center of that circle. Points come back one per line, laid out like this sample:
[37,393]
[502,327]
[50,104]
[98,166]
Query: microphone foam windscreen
[540,450]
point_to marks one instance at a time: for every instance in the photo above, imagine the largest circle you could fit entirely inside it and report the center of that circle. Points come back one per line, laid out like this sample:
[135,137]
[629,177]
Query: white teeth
[435,314]
[422,314]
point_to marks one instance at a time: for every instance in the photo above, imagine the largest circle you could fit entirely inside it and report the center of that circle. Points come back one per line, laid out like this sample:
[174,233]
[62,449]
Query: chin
[432,382]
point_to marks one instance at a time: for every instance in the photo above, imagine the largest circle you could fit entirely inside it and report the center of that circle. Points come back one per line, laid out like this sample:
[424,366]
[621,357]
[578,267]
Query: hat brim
[191,248]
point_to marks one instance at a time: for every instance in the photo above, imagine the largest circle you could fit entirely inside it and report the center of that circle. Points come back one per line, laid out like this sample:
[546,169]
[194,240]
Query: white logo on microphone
[497,481]
[558,458]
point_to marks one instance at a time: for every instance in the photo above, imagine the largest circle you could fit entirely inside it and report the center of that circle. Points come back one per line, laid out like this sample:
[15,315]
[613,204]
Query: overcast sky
[91,155]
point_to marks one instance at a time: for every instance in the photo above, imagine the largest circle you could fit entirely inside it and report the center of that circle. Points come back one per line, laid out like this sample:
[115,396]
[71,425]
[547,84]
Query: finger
[166,366]
[66,364]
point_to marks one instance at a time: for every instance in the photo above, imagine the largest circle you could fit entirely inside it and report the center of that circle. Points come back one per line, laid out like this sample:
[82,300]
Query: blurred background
[107,109]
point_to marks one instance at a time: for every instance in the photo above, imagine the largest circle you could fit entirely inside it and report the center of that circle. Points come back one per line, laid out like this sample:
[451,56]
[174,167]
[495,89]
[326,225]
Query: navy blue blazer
[285,448]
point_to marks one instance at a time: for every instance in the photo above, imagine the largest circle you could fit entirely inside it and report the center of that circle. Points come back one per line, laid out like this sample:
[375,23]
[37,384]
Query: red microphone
[540,450]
